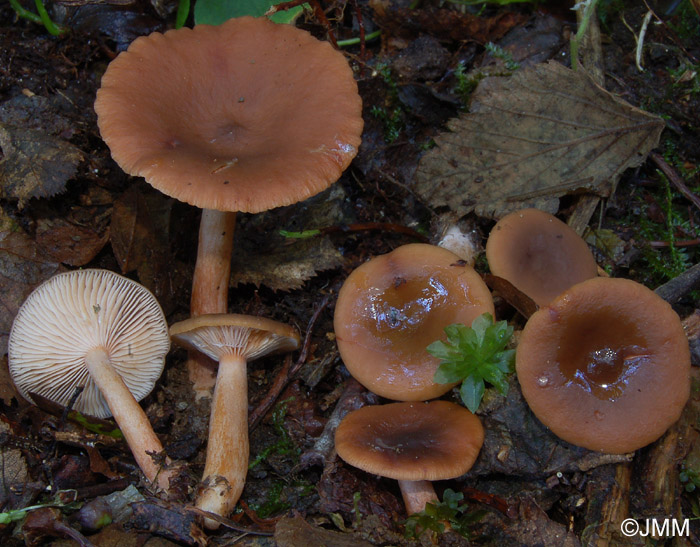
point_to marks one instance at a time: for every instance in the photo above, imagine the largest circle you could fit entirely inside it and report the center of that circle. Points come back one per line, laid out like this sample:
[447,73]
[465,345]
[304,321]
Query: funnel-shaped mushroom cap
[411,441]
[605,365]
[75,312]
[219,334]
[539,254]
[244,116]
[392,307]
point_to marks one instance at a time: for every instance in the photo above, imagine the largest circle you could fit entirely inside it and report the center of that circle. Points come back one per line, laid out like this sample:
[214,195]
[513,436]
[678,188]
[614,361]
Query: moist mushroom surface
[539,254]
[392,307]
[605,365]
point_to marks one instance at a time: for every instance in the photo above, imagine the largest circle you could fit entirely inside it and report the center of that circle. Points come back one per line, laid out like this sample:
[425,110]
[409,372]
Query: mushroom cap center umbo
[244,116]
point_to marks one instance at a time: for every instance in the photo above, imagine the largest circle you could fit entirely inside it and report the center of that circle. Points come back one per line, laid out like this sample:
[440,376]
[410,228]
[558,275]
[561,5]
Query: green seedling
[475,356]
[215,12]
[41,18]
[436,514]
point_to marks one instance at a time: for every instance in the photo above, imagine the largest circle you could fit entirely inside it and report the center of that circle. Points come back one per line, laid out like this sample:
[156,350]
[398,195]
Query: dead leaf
[139,233]
[34,164]
[445,24]
[23,265]
[542,133]
[14,470]
[262,256]
[296,532]
[69,243]
[534,527]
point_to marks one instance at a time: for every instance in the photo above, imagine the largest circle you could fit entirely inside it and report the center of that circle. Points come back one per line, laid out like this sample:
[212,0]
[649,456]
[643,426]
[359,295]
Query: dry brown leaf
[70,243]
[544,132]
[23,265]
[34,164]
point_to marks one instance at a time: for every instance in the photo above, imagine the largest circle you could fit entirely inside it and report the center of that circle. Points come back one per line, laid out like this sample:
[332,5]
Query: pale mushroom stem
[416,494]
[210,287]
[130,418]
[227,449]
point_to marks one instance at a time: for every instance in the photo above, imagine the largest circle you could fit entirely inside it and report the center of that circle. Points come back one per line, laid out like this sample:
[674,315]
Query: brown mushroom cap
[539,254]
[219,334]
[244,116]
[416,441]
[605,365]
[393,306]
[73,313]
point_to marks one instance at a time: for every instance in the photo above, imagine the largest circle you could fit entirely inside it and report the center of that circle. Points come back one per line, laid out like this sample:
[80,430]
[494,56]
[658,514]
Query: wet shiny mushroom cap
[605,365]
[393,306]
[75,312]
[539,254]
[411,441]
[244,116]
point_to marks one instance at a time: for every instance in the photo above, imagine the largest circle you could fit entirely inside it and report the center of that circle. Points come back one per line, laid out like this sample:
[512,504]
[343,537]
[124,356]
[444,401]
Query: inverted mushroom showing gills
[539,254]
[414,443]
[102,332]
[245,116]
[231,340]
[393,306]
[605,365]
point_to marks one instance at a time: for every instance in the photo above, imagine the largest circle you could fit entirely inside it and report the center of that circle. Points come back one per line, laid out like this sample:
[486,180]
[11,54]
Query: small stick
[675,179]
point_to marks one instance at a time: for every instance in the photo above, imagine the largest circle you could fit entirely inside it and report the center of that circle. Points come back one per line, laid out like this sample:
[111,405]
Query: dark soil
[533,489]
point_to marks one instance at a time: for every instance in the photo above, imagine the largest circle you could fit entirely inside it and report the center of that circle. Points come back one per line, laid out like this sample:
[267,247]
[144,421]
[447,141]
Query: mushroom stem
[210,284]
[416,494]
[227,450]
[130,418]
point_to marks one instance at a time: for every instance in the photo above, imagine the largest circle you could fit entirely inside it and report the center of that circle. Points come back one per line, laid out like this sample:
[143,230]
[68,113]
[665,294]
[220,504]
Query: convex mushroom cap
[605,365]
[231,340]
[244,116]
[412,442]
[393,306]
[99,331]
[539,254]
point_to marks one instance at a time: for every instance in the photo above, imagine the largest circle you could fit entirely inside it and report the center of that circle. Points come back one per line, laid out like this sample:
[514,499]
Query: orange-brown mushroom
[393,306]
[244,116]
[605,365]
[412,442]
[539,254]
[231,340]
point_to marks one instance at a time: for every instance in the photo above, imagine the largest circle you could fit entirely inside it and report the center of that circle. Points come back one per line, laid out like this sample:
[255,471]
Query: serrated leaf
[528,139]
[34,164]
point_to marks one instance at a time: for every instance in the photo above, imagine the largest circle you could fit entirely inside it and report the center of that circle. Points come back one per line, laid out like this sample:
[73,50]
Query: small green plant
[475,356]
[284,445]
[435,515]
[41,17]
[392,113]
[215,12]
[505,56]
[466,84]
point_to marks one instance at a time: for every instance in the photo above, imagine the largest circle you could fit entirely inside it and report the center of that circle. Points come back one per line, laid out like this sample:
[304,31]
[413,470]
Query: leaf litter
[532,138]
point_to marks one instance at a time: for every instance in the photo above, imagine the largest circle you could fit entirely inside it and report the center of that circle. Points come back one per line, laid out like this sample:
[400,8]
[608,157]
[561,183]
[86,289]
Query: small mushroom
[605,365]
[231,340]
[412,442]
[393,306]
[539,254]
[99,331]
[244,116]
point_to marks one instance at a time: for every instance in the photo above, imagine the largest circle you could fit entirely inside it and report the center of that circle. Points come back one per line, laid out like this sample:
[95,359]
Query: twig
[675,179]
[226,522]
[288,370]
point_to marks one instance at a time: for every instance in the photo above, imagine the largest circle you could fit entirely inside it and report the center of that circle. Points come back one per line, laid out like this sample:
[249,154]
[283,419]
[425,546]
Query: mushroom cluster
[244,116]
[388,311]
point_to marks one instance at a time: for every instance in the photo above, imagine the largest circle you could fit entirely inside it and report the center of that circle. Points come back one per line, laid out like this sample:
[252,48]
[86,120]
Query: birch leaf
[531,138]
